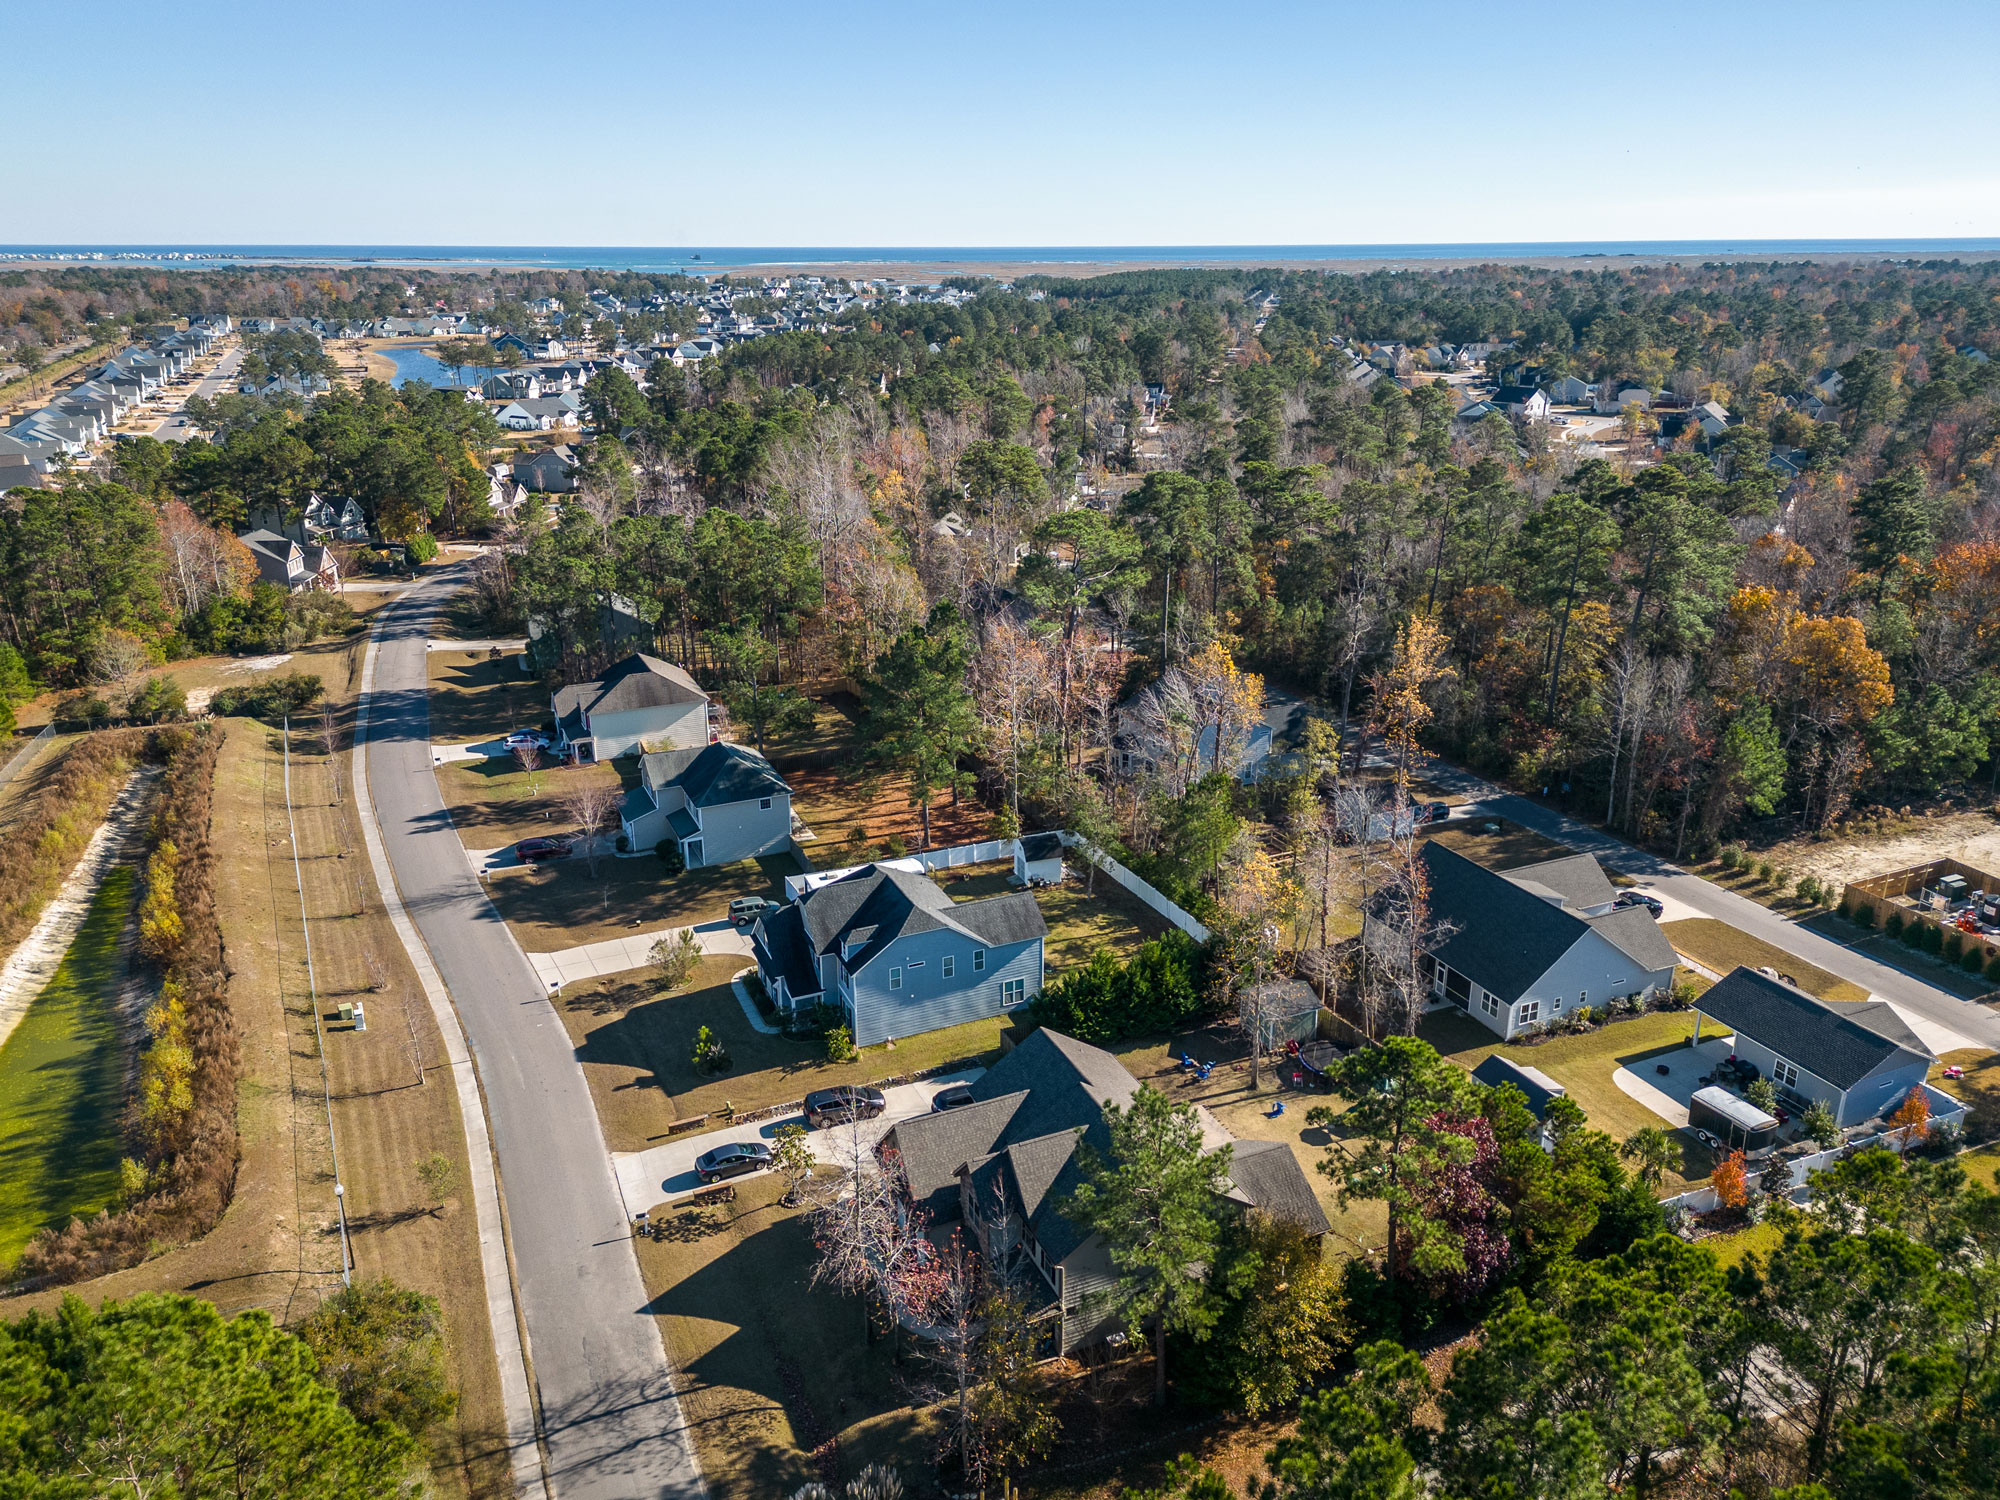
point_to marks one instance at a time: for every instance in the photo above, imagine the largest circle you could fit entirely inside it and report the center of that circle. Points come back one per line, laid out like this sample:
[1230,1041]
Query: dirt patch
[1973,837]
[1510,846]
[834,802]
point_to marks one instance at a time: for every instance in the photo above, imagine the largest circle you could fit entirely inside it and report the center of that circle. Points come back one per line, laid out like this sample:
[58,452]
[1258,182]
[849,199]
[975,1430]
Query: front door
[693,853]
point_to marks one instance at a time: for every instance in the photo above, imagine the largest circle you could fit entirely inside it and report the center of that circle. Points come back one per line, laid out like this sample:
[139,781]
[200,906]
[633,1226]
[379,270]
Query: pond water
[417,362]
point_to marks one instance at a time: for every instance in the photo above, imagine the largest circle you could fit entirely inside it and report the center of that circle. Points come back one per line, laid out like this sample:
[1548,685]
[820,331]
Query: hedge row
[38,854]
[182,1171]
[1160,989]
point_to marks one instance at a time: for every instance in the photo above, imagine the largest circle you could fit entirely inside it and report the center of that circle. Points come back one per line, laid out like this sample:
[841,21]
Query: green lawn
[1080,922]
[62,1084]
[560,905]
[1583,1064]
[493,802]
[637,1046]
[477,696]
[1721,947]
[768,1366]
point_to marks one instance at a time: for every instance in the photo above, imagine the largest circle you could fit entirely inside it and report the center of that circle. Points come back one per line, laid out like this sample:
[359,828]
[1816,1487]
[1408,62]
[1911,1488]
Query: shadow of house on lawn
[797,1372]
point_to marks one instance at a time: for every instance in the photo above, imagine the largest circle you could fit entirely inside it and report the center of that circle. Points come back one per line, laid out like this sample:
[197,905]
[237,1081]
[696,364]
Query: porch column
[1697,1030]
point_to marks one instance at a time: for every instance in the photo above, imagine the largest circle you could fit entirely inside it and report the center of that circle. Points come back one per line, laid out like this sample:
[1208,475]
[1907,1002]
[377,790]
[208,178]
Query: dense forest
[1684,642]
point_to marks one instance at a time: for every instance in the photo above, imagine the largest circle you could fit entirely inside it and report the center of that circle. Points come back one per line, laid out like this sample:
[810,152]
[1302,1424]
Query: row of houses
[79,418]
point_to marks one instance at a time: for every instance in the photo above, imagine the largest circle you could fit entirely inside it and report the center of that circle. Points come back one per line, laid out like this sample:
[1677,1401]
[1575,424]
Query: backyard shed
[1740,1124]
[1038,859]
[1287,1010]
[1533,1082]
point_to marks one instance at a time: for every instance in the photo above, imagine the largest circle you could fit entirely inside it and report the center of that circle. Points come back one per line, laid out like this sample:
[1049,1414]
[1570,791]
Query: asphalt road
[1284,712]
[177,428]
[1662,876]
[609,1417]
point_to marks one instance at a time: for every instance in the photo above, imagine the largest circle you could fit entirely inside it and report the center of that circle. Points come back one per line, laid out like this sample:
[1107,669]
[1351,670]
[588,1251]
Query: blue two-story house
[896,953]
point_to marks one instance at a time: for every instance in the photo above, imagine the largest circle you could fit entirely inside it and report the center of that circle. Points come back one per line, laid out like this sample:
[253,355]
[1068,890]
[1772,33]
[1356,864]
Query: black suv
[838,1106]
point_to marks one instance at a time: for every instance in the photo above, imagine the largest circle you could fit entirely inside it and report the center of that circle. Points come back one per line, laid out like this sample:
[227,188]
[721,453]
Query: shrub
[1103,1001]
[271,700]
[840,1046]
[1993,968]
[1766,872]
[1732,856]
[1913,934]
[160,699]
[709,1055]
[676,958]
[1763,1093]
[1954,946]
[1973,961]
[1894,926]
[1819,1124]
[1731,1182]
[894,847]
[669,850]
[421,548]
[1864,915]
[1933,939]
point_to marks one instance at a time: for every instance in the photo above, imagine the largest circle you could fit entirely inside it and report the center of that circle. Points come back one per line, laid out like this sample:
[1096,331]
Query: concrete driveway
[666,1172]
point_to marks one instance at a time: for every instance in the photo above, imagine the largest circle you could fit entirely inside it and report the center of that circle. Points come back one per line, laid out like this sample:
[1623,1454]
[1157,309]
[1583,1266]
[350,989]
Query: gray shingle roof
[1636,933]
[934,1147]
[1829,1042]
[1267,1175]
[1577,878]
[1506,937]
[782,948]
[896,903]
[1041,846]
[639,681]
[1537,1085]
[719,774]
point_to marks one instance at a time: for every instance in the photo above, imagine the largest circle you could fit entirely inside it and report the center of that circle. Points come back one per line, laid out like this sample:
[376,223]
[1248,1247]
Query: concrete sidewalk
[616,955]
[664,1173]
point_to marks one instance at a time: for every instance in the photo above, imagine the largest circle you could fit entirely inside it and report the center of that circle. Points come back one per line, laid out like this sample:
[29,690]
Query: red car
[534,851]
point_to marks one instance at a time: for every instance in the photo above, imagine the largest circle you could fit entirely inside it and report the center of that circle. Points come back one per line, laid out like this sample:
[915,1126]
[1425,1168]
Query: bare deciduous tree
[590,805]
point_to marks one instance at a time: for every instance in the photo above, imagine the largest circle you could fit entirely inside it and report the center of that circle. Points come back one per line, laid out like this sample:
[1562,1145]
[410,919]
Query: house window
[1531,1012]
[895,979]
[1013,991]
[763,804]
[950,963]
[1490,1004]
[978,959]
[1785,1073]
[1582,999]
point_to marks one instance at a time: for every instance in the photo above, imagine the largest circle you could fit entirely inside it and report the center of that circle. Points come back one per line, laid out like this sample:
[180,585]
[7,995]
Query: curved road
[610,1422]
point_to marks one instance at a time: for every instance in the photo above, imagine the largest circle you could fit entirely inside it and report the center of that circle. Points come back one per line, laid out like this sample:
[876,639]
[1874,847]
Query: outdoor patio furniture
[1662,1069]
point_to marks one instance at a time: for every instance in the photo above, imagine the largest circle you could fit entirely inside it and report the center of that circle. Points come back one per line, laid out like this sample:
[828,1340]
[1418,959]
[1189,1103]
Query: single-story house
[291,565]
[1612,398]
[898,955]
[641,701]
[1521,947]
[720,803]
[1004,1164]
[540,414]
[1038,859]
[1860,1060]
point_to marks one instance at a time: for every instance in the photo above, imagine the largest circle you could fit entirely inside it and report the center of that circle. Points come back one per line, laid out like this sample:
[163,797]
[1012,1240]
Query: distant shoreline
[931,263]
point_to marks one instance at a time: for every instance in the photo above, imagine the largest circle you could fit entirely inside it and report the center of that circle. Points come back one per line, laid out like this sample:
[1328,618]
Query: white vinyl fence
[993,849]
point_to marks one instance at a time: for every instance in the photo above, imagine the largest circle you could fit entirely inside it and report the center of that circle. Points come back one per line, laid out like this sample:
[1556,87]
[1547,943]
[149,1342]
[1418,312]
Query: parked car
[534,851]
[837,1106]
[521,738]
[732,1160]
[956,1097]
[1437,812]
[1652,904]
[746,909]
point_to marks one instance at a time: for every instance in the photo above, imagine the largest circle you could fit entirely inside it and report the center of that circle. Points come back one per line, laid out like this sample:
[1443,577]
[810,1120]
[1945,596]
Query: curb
[509,1339]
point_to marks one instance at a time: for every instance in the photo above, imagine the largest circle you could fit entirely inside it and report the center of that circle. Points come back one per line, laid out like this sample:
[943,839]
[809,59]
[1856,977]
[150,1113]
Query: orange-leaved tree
[1731,1181]
[1912,1119]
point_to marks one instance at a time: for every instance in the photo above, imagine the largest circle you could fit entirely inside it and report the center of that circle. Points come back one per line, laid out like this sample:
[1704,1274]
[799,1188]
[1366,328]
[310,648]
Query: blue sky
[614,123]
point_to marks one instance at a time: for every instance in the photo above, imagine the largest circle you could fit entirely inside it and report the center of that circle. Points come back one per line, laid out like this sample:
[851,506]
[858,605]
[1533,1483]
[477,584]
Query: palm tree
[1652,1153]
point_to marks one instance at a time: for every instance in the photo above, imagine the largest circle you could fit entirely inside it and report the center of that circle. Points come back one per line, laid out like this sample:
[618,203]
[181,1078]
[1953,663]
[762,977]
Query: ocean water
[700,259]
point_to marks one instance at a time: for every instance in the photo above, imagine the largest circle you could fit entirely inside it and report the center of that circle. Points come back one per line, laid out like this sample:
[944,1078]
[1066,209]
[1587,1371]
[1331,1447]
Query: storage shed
[1740,1124]
[1038,859]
